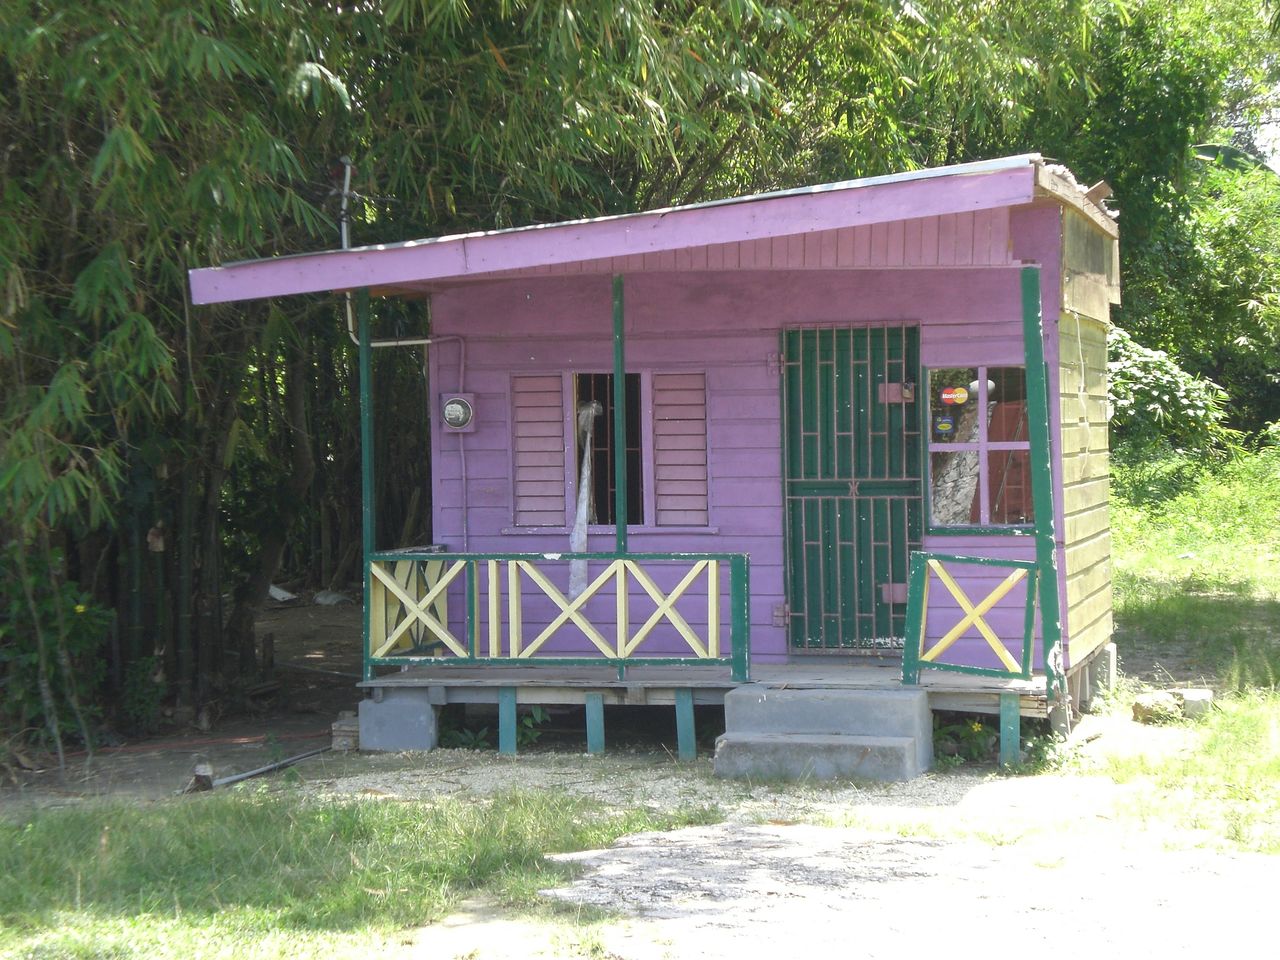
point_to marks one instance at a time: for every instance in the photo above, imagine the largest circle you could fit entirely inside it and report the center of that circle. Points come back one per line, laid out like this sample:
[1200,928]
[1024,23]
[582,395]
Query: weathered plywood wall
[1082,390]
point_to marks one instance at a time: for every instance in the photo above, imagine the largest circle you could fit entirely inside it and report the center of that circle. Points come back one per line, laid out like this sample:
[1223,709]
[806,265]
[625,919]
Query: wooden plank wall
[958,239]
[722,329]
[1082,343]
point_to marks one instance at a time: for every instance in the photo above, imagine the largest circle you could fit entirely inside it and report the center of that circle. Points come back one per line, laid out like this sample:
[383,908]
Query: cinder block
[816,757]
[1196,701]
[402,719]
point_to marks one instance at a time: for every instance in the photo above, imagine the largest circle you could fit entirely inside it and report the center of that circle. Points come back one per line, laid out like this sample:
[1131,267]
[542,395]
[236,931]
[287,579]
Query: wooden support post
[686,735]
[507,721]
[619,421]
[595,723]
[368,521]
[1010,729]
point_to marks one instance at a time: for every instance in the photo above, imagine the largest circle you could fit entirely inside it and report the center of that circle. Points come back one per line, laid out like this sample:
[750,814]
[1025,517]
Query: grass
[265,875]
[1224,788]
[1197,581]
[1197,566]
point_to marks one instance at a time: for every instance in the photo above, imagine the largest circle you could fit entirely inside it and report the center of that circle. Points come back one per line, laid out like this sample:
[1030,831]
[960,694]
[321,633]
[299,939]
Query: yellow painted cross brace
[666,608]
[569,609]
[974,615]
[418,610]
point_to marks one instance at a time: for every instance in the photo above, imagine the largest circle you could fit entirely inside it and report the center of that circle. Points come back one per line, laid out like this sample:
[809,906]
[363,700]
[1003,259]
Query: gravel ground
[949,861]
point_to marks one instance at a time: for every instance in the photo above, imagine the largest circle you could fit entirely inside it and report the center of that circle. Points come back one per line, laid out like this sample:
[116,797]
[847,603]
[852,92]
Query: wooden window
[680,449]
[675,442]
[539,461]
[979,447]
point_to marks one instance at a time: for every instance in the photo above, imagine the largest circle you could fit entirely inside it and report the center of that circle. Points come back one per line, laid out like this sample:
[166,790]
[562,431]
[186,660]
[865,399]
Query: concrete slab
[816,757]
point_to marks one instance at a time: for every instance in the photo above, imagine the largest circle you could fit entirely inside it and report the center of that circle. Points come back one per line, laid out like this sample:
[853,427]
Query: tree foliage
[152,456]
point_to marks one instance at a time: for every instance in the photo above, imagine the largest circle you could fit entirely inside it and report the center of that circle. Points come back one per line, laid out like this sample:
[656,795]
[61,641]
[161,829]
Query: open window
[979,448]
[595,440]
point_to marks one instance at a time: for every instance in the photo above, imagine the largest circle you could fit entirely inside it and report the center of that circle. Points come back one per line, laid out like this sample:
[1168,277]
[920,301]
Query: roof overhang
[1009,181]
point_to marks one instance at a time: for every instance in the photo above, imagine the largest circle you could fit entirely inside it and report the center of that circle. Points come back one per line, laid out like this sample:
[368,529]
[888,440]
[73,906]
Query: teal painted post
[740,618]
[619,420]
[507,721]
[1010,729]
[1042,498]
[367,513]
[595,723]
[686,735]
[915,618]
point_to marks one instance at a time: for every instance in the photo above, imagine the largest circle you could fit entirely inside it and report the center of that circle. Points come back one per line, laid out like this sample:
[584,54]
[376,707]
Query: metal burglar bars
[476,608]
[851,456]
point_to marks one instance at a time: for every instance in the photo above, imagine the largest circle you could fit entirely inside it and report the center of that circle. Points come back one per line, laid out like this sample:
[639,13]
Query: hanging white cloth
[584,514]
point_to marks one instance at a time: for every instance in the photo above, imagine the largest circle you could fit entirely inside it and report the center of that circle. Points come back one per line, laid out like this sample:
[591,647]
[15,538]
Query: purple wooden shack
[851,437]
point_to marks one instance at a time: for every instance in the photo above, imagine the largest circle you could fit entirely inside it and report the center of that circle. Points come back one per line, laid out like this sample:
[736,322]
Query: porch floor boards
[549,683]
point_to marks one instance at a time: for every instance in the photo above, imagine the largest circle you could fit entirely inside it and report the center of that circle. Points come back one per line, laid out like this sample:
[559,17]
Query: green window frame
[978,463]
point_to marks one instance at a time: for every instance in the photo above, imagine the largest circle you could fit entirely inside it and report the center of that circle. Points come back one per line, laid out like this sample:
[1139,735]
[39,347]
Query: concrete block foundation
[398,719]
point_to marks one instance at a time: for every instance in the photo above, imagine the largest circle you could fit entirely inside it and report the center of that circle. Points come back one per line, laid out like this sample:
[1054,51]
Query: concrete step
[799,756]
[754,708]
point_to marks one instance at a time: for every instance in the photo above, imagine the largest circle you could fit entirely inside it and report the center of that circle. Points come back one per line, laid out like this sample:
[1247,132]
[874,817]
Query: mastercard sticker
[954,395]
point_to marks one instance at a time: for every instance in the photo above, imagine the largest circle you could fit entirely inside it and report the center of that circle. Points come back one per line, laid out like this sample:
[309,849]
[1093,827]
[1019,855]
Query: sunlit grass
[276,875]
[1197,565]
[1224,789]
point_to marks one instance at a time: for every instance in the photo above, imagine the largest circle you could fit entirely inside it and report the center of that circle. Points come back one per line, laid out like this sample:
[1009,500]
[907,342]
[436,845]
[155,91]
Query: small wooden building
[847,435]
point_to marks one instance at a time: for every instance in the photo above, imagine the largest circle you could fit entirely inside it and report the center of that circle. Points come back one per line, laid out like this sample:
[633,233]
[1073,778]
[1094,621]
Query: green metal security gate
[851,459]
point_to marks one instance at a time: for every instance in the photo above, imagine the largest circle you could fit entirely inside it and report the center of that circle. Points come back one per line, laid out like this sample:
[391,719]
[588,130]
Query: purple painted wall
[726,324]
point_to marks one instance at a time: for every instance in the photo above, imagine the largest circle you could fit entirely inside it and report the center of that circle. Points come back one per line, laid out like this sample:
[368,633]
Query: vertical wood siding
[1082,378]
[538,457]
[680,449]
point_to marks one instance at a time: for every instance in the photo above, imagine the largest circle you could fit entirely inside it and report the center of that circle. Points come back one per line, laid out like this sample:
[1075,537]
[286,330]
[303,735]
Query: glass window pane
[953,405]
[1006,403]
[1009,486]
[953,487]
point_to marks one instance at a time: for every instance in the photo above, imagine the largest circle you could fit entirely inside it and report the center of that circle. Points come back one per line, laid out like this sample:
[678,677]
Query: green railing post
[368,516]
[1041,473]
[915,618]
[740,617]
[472,628]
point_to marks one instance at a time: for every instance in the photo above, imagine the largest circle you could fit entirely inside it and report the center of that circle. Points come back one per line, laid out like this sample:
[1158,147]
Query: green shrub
[1156,403]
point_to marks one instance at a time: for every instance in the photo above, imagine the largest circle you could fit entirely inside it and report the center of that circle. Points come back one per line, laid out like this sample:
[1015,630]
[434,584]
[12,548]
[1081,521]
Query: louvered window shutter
[680,449]
[538,419]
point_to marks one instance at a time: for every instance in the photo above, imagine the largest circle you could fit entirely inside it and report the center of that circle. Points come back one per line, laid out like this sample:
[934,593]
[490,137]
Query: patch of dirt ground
[966,861]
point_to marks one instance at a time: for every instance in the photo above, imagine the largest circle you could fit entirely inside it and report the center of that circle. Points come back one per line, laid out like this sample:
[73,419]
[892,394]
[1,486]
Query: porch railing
[919,653]
[466,609]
